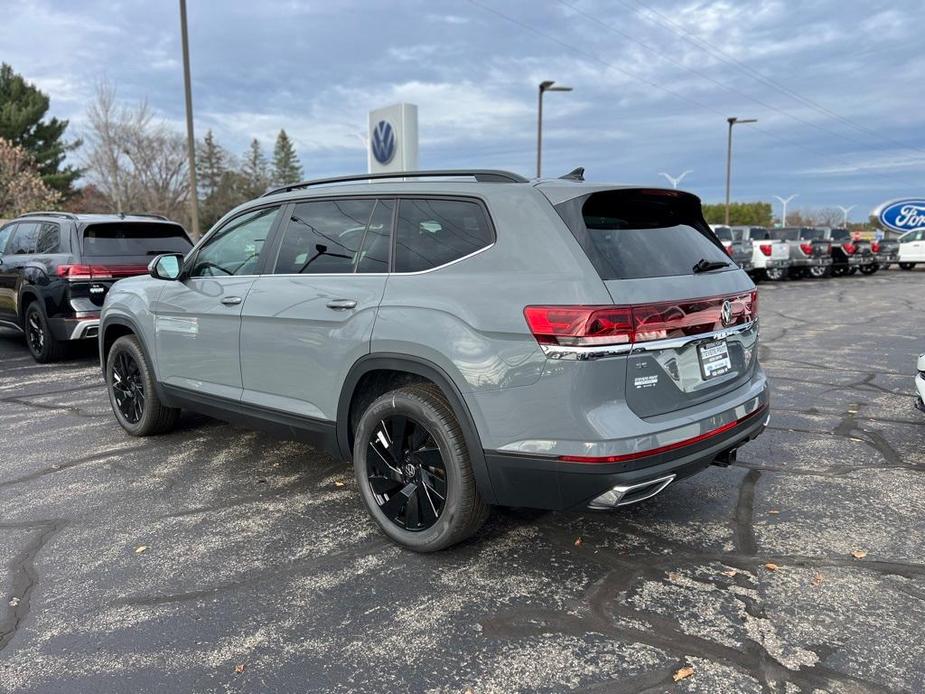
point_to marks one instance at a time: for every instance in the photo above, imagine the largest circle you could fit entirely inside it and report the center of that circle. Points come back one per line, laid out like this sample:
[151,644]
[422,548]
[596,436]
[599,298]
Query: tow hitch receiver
[726,458]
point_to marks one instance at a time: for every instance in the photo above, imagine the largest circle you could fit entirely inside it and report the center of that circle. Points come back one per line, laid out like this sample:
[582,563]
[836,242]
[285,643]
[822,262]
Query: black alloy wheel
[42,345]
[818,271]
[869,269]
[406,473]
[35,332]
[128,387]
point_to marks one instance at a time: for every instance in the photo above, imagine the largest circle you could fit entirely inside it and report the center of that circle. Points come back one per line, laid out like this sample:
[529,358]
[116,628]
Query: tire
[869,269]
[42,345]
[839,271]
[853,270]
[907,266]
[392,478]
[774,274]
[819,272]
[126,363]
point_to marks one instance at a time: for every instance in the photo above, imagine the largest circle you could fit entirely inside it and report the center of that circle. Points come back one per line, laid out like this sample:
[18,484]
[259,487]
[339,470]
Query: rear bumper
[884,258]
[550,483]
[774,263]
[811,262]
[75,328]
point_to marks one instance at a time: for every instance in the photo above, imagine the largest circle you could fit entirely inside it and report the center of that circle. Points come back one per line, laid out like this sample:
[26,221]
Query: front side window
[436,232]
[325,237]
[23,241]
[235,248]
[5,234]
[48,239]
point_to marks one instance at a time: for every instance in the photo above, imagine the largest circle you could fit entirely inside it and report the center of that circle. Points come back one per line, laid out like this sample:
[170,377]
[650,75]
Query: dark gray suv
[467,338]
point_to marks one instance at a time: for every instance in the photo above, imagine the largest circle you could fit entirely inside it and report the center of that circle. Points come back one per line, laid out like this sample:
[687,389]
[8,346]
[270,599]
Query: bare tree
[136,161]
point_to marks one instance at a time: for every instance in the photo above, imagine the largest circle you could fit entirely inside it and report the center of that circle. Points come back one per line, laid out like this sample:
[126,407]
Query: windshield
[633,233]
[134,239]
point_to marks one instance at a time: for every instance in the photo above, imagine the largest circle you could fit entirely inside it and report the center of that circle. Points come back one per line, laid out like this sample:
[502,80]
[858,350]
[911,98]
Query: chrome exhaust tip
[624,495]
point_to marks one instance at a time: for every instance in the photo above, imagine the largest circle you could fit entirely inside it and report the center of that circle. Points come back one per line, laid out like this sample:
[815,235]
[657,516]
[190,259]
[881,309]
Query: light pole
[674,181]
[190,137]
[783,202]
[546,86]
[732,121]
[845,211]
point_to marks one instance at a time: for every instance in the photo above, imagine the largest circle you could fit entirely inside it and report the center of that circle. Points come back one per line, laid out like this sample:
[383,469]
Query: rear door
[19,253]
[7,276]
[198,318]
[310,317]
[111,251]
[696,330]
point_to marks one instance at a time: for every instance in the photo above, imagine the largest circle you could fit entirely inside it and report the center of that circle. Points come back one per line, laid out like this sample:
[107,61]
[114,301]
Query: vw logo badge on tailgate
[726,315]
[383,142]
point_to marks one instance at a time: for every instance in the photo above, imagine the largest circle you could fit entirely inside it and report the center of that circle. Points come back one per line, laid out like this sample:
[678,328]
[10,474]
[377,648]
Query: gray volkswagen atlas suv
[466,338]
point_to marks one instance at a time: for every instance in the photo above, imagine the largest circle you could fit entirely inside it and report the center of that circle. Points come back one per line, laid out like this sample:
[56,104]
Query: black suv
[56,267]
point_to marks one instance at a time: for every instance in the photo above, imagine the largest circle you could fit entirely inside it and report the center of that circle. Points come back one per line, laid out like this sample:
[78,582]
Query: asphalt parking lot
[261,570]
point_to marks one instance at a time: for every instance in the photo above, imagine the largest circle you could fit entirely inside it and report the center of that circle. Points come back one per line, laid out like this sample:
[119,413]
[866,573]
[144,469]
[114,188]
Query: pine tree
[22,122]
[286,166]
[211,164]
[255,170]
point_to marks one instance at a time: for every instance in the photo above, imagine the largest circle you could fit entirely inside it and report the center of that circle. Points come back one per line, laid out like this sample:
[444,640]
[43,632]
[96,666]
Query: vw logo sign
[383,142]
[726,314]
[902,215]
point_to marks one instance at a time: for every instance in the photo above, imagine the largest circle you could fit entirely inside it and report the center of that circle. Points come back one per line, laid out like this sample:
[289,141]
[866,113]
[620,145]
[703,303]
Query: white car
[911,249]
[920,384]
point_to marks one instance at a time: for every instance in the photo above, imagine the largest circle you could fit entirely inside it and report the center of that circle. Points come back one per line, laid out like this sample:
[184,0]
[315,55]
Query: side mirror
[166,267]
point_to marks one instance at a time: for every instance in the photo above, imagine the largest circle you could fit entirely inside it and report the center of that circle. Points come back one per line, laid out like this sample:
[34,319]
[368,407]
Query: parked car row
[817,252]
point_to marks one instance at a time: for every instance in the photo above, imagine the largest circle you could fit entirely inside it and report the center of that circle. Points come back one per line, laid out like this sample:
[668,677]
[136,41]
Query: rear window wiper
[704,265]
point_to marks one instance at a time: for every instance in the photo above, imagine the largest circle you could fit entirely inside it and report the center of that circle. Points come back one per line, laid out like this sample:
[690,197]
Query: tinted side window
[324,237]
[435,232]
[5,234]
[48,239]
[23,240]
[235,248]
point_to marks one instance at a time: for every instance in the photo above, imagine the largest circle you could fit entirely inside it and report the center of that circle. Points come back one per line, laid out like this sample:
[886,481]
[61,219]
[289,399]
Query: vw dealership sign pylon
[393,139]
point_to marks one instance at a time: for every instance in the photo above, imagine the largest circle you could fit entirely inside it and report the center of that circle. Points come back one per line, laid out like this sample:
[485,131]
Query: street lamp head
[734,120]
[559,89]
[547,86]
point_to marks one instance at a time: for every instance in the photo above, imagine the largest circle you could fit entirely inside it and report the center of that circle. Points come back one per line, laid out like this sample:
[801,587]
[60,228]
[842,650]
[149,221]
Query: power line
[703,75]
[655,85]
[679,30]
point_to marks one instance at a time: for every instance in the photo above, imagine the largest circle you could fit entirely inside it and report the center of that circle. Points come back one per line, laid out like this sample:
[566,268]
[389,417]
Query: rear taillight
[582,326]
[807,248]
[765,248]
[850,248]
[83,272]
[99,272]
[728,249]
[875,247]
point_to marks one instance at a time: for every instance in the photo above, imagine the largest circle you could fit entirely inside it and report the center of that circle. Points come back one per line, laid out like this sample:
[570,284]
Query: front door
[912,247]
[7,277]
[198,318]
[309,318]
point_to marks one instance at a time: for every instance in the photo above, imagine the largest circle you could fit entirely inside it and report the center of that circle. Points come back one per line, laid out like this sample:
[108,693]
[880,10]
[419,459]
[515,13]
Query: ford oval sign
[903,215]
[383,142]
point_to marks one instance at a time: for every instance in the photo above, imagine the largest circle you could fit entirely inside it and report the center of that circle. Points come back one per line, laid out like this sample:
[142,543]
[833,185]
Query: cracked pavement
[256,556]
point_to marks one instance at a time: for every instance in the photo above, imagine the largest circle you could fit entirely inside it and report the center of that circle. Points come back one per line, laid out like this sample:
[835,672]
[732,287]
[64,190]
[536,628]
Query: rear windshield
[785,234]
[134,239]
[813,234]
[723,233]
[628,234]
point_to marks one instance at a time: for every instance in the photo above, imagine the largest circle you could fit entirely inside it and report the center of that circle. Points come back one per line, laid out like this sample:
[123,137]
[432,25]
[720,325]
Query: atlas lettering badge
[383,142]
[903,215]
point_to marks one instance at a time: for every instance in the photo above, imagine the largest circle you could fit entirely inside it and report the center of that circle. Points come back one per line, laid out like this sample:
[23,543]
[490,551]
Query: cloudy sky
[835,84]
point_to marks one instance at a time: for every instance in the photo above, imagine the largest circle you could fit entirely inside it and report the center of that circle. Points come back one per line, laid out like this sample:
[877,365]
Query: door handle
[342,304]
[231,300]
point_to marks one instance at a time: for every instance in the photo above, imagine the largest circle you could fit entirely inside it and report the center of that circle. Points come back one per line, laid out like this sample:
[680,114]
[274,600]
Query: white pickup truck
[770,257]
[911,249]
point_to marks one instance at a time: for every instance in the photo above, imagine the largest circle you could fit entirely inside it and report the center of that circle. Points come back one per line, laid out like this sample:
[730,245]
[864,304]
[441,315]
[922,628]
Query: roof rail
[65,215]
[480,175]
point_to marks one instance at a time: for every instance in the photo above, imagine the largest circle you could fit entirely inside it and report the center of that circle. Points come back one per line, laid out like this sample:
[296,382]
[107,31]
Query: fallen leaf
[14,602]
[578,541]
[239,668]
[774,512]
[771,566]
[141,549]
[683,673]
[674,576]
[730,573]
[817,580]
[859,553]
[338,483]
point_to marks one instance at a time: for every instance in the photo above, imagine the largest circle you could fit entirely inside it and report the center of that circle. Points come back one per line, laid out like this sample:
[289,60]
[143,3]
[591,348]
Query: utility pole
[190,136]
[783,202]
[732,121]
